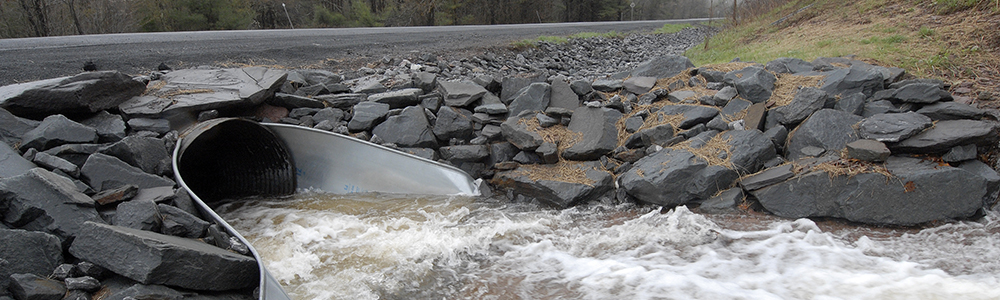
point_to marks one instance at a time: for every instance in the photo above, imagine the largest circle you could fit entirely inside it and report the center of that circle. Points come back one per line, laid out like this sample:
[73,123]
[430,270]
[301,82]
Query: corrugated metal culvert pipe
[233,158]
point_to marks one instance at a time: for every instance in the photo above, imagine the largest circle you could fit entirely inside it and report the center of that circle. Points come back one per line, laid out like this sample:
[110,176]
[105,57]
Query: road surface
[139,53]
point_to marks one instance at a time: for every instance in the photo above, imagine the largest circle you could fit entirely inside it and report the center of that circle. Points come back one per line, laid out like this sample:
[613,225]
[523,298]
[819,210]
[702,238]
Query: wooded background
[32,18]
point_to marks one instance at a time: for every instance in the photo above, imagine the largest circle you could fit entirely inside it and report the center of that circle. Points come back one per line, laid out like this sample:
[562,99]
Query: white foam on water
[379,247]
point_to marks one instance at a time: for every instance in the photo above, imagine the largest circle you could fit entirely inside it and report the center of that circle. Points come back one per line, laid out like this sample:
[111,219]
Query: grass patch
[952,40]
[925,32]
[949,6]
[671,28]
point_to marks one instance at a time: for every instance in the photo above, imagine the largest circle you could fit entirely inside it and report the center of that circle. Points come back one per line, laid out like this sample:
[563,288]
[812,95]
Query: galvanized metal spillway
[233,158]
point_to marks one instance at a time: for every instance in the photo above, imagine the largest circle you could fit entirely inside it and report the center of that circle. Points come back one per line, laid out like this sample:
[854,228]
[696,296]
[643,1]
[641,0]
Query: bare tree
[36,12]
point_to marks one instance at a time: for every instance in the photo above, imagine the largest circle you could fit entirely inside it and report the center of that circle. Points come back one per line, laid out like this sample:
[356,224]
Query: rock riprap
[558,124]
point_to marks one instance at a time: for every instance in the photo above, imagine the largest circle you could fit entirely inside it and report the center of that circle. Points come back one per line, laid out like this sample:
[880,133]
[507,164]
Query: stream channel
[369,246]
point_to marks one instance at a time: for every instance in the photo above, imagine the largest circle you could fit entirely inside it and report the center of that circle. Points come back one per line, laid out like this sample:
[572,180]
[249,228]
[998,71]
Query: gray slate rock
[453,123]
[598,130]
[682,96]
[12,163]
[868,150]
[342,101]
[534,97]
[408,129]
[153,258]
[57,130]
[674,177]
[726,202]
[398,98]
[951,111]
[562,95]
[12,127]
[194,90]
[34,287]
[369,85]
[750,150]
[177,222]
[548,152]
[85,283]
[856,79]
[29,252]
[581,87]
[295,101]
[461,93]
[40,200]
[663,66]
[502,152]
[893,127]
[961,153]
[146,153]
[465,153]
[110,127]
[753,83]
[329,114]
[516,132]
[492,109]
[852,103]
[947,134]
[112,196]
[639,84]
[367,115]
[425,81]
[992,180]
[160,126]
[922,93]
[607,85]
[510,86]
[560,193]
[103,172]
[789,65]
[806,101]
[138,214]
[693,114]
[75,153]
[656,135]
[922,191]
[827,129]
[84,93]
[726,94]
[767,177]
[54,163]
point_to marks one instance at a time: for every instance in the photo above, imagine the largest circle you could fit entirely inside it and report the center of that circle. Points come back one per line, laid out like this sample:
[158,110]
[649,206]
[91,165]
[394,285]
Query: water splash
[392,247]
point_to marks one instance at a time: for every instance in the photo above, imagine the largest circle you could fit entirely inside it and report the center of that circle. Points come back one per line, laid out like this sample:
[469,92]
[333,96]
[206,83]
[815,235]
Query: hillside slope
[954,40]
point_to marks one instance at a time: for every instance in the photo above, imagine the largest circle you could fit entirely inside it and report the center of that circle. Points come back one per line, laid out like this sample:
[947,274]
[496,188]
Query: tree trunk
[76,19]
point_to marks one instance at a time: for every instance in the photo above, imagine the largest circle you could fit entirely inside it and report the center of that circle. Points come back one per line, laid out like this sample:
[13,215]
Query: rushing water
[322,246]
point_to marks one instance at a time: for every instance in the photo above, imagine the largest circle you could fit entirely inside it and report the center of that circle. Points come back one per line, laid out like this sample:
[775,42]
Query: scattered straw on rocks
[558,134]
[729,67]
[716,151]
[564,171]
[653,120]
[787,85]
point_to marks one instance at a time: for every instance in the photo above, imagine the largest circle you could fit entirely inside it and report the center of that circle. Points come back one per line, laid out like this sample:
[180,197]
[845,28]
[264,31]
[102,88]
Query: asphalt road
[138,53]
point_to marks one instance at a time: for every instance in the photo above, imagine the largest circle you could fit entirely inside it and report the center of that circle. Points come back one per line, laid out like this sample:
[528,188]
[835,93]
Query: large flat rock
[153,258]
[195,90]
[918,192]
[40,200]
[84,93]
[562,191]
